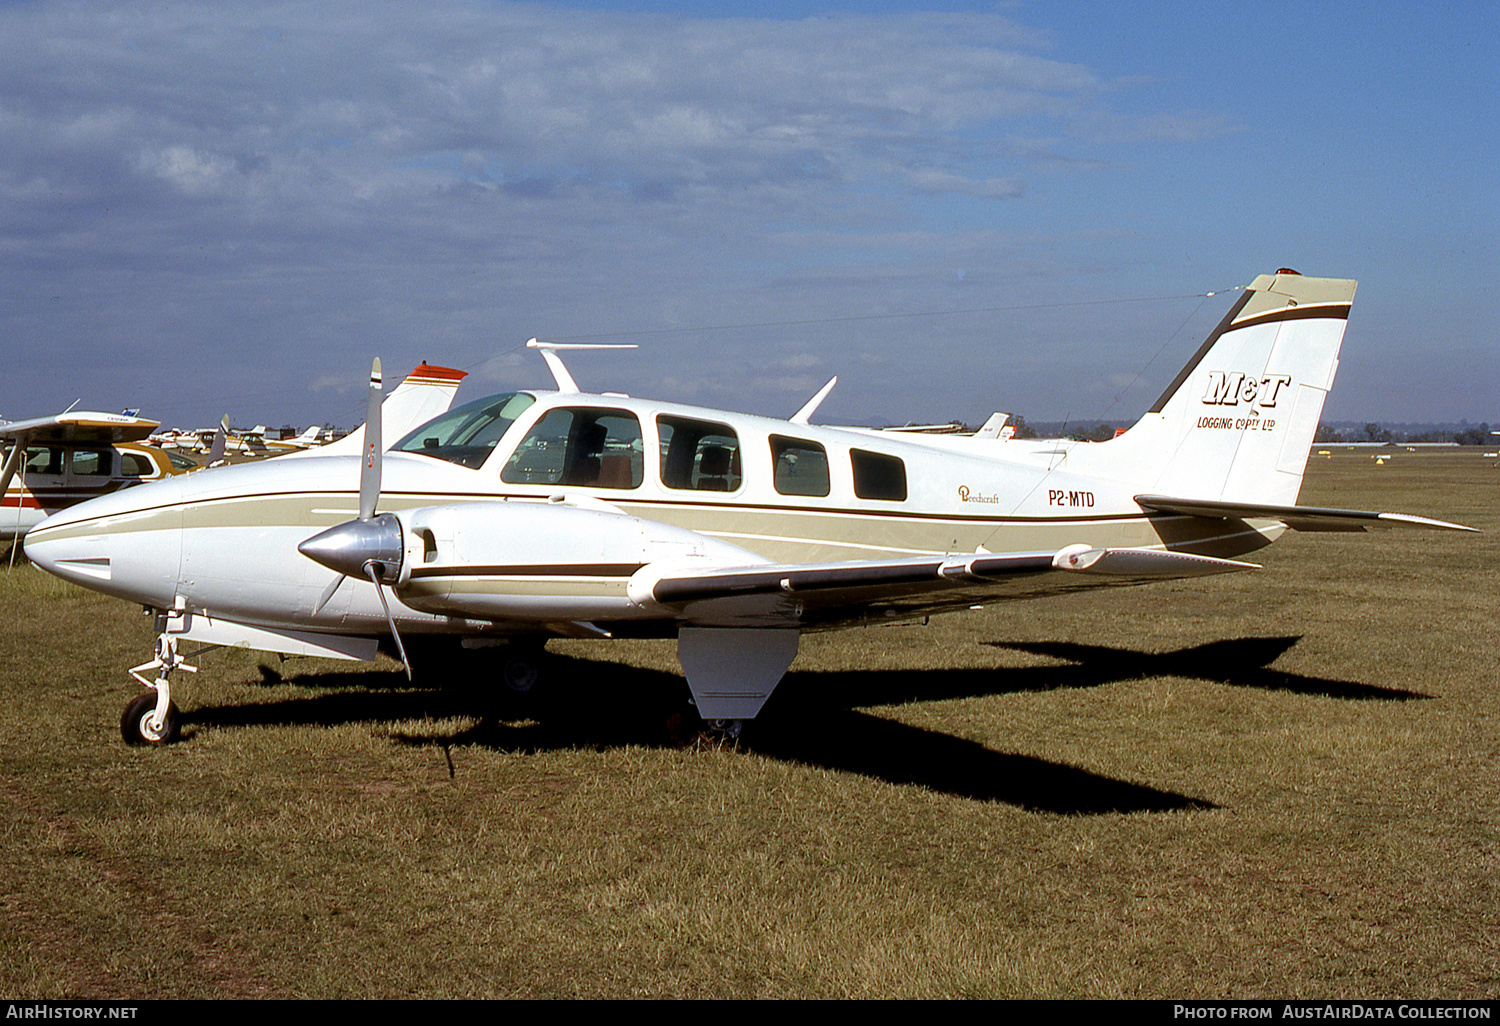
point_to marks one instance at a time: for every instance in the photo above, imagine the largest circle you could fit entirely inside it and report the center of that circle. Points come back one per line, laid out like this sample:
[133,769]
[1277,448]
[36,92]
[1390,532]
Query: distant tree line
[1373,432]
[1464,433]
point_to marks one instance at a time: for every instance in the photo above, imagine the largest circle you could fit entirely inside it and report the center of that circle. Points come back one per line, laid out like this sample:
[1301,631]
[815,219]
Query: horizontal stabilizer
[1298,518]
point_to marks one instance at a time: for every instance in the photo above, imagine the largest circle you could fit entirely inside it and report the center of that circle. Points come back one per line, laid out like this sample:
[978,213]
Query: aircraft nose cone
[347,547]
[80,560]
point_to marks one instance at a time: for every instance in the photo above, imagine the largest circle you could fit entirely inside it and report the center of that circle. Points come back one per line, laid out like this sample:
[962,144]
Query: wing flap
[1298,518]
[803,578]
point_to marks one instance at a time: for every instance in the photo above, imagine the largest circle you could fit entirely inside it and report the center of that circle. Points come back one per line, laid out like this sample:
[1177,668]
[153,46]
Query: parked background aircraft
[51,463]
[537,513]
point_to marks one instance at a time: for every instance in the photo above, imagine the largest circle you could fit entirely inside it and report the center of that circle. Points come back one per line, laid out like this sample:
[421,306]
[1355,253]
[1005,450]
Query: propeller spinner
[370,546]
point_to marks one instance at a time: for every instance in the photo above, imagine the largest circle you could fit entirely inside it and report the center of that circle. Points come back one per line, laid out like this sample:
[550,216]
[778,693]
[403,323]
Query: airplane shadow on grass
[1236,662]
[813,718]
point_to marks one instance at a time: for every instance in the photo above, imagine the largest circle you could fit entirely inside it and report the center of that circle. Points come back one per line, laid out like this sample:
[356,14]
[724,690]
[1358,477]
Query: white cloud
[191,172]
[938,182]
[280,186]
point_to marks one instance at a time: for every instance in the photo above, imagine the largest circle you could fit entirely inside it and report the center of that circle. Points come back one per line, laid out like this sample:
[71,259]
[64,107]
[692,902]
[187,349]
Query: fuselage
[224,542]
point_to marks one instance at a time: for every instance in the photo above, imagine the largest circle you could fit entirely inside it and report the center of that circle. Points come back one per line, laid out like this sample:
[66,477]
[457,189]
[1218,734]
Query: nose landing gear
[152,719]
[139,724]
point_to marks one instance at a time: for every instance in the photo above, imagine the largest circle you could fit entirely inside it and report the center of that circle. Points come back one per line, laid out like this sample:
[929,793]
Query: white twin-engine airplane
[537,514]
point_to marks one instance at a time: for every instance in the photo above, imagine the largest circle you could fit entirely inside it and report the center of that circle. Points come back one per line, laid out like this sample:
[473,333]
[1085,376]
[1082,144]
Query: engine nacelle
[541,562]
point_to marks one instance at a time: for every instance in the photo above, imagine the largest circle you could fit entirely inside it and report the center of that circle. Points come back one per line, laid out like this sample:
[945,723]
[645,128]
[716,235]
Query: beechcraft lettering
[1239,387]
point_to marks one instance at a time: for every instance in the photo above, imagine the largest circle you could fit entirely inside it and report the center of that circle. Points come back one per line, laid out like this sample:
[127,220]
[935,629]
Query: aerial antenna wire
[884,317]
[850,319]
[1161,349]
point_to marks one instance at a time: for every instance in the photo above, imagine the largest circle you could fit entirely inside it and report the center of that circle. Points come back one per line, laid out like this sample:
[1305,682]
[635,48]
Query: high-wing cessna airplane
[536,514]
[51,463]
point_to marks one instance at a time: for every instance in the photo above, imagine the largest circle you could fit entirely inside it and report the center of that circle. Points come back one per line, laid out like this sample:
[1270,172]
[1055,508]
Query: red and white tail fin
[427,392]
[1238,421]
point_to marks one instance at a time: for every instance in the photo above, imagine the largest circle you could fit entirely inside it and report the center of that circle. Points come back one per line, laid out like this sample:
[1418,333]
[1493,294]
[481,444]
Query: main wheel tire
[135,724]
[521,672]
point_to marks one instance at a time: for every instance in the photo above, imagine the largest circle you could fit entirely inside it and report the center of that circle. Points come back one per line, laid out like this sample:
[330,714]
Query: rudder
[1238,421]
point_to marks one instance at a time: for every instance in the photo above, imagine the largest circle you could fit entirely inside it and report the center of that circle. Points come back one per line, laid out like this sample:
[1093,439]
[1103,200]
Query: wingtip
[1410,520]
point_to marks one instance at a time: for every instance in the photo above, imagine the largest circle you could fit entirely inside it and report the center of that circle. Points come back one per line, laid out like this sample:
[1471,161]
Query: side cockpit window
[46,460]
[878,476]
[93,462]
[468,434]
[699,455]
[134,464]
[801,467]
[582,447]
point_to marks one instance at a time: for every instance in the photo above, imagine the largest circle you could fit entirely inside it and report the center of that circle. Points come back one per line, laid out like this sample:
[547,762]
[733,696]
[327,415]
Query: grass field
[1280,784]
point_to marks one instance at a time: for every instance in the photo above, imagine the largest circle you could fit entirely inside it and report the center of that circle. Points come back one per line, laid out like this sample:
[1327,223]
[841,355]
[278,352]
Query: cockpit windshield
[467,434]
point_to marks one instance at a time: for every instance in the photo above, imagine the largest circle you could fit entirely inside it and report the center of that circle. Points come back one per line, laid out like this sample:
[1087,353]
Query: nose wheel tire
[137,724]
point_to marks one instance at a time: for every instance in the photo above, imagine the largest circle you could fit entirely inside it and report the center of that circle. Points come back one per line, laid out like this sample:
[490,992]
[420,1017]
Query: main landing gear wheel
[726,731]
[521,669]
[138,724]
[521,675]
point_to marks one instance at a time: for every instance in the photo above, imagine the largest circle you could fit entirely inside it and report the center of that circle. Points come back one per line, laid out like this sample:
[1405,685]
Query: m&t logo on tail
[1233,389]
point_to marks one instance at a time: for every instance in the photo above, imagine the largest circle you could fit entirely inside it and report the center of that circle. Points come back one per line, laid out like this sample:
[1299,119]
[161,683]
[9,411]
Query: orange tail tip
[428,374]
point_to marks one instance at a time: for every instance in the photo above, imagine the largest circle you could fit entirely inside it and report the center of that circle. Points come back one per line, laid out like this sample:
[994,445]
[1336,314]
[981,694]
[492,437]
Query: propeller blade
[328,593]
[373,573]
[369,471]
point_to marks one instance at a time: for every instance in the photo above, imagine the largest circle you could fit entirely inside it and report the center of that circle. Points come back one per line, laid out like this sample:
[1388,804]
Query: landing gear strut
[152,719]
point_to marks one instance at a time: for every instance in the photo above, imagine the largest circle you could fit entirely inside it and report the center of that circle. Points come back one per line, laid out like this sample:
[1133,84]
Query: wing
[104,428]
[552,563]
[1298,518]
[826,593]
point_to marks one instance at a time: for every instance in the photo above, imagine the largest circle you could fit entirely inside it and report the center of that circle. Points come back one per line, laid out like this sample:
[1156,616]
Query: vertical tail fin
[1238,421]
[426,392]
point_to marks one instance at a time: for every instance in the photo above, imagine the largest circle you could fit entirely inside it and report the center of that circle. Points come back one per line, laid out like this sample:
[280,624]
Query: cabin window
[801,468]
[134,464]
[44,460]
[580,446]
[877,476]
[699,455]
[92,462]
[467,435]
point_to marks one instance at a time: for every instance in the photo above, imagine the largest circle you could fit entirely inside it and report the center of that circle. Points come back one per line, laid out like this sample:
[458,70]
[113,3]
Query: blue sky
[956,208]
